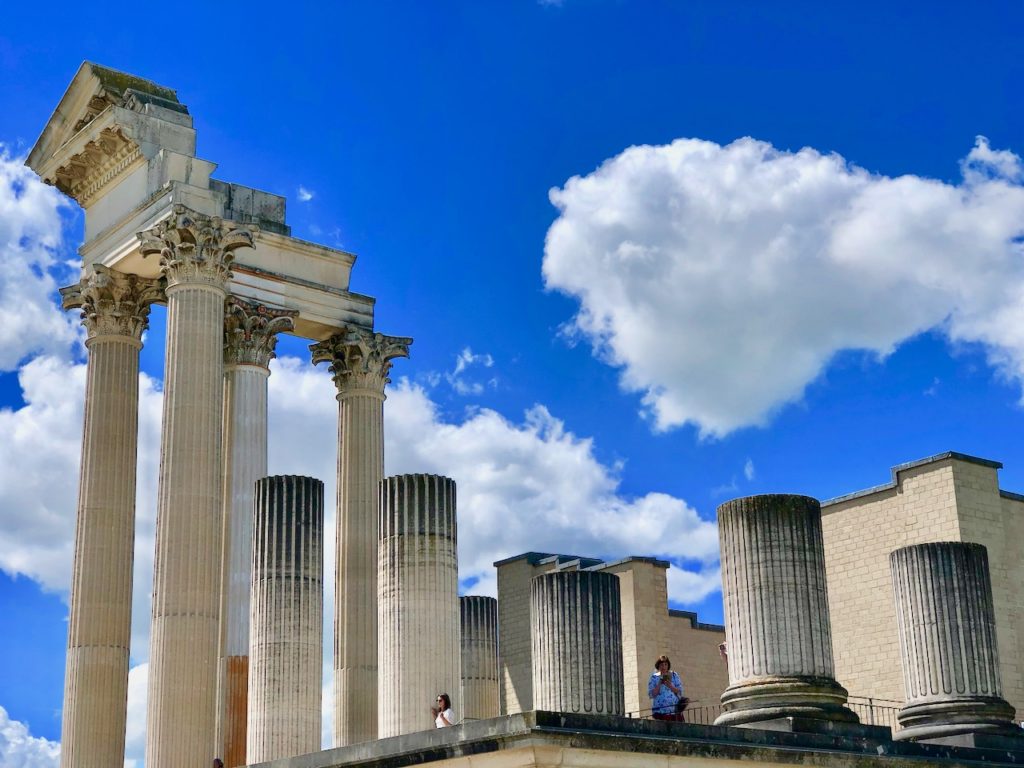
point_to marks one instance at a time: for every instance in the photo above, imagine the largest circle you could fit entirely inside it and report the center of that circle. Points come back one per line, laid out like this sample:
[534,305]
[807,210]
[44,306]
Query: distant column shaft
[359,361]
[577,642]
[419,605]
[115,308]
[479,623]
[286,647]
[250,336]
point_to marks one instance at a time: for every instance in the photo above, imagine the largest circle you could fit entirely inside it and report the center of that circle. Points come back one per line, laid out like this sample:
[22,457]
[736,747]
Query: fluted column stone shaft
[359,361]
[419,601]
[195,253]
[250,336]
[115,308]
[776,612]
[947,629]
[577,642]
[479,623]
[286,645]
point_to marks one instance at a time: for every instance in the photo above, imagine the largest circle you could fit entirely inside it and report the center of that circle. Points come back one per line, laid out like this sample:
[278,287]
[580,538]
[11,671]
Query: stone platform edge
[611,734]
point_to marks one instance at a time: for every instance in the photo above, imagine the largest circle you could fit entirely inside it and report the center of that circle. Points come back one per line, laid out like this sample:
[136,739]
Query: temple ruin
[554,671]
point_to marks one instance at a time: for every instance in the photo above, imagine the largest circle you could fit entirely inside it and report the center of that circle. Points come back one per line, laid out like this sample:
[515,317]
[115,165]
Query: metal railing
[871,711]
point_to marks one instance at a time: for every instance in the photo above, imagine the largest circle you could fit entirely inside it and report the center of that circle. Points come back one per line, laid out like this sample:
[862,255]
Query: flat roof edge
[895,472]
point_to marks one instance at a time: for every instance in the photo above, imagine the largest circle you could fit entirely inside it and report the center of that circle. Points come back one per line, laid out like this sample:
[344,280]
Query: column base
[931,720]
[777,698]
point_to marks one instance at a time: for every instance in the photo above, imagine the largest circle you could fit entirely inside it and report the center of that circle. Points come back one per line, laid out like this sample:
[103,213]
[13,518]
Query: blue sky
[819,279]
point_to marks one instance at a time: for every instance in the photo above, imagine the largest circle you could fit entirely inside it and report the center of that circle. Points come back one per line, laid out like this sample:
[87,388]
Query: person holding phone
[665,690]
[443,715]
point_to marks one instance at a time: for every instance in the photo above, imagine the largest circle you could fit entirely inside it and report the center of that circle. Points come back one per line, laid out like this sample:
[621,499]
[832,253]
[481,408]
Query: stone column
[115,309]
[948,643]
[250,336]
[419,601]
[360,361]
[286,648]
[479,628]
[577,642]
[776,612]
[195,255]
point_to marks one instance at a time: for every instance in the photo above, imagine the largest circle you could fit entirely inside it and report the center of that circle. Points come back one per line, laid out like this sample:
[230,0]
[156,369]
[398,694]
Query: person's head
[218,763]
[443,702]
[663,665]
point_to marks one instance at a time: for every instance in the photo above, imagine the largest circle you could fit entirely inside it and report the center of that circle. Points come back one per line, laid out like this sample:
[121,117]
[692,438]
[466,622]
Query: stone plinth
[250,336]
[948,643]
[776,613]
[479,622]
[577,642]
[115,309]
[286,619]
[418,589]
[360,362]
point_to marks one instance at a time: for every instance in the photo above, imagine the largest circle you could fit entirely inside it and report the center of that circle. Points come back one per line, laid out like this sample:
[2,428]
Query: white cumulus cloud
[31,240]
[722,279]
[20,749]
[305,195]
[528,485]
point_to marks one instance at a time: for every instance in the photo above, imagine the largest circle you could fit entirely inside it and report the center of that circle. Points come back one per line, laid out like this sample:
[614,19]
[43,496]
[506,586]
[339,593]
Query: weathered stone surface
[776,612]
[115,309]
[418,601]
[250,336]
[577,642]
[359,362]
[286,641]
[195,254]
[479,628]
[543,739]
[948,643]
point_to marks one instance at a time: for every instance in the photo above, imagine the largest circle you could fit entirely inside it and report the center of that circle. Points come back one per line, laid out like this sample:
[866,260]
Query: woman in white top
[443,715]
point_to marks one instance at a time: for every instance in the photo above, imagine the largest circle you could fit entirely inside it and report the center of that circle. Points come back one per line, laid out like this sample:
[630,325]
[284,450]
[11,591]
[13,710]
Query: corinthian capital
[112,303]
[250,331]
[195,248]
[360,359]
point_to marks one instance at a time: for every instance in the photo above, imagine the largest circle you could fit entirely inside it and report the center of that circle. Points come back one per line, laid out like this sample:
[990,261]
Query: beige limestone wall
[987,518]
[693,648]
[949,498]
[859,534]
[515,673]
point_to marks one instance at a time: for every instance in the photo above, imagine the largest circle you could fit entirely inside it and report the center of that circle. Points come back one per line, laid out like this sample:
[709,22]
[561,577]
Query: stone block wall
[950,497]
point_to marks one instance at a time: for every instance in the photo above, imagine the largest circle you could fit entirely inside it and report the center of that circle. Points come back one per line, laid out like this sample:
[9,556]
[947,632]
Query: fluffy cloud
[39,482]
[722,279]
[31,236]
[536,486]
[20,749]
[522,486]
[458,379]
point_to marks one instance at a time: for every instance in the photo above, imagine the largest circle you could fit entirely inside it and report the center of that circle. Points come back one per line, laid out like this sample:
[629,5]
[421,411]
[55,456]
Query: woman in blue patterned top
[665,689]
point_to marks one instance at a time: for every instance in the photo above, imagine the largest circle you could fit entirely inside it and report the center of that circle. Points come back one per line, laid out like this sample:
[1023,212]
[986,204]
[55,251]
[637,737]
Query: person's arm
[675,685]
[444,717]
[654,686]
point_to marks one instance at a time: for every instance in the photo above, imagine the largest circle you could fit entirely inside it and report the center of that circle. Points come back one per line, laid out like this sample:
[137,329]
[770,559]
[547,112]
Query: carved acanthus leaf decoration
[101,161]
[113,303]
[195,248]
[250,331]
[360,359]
